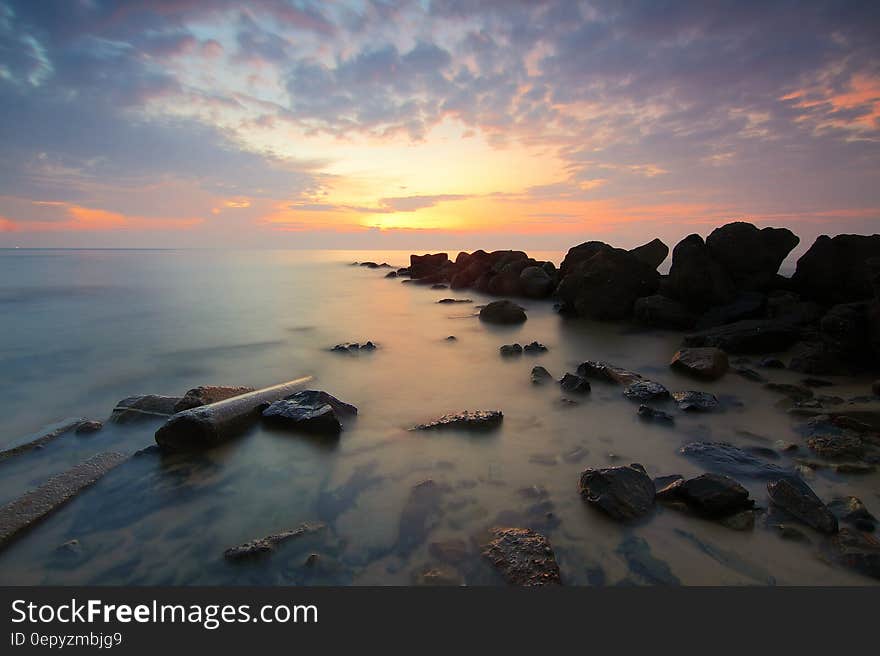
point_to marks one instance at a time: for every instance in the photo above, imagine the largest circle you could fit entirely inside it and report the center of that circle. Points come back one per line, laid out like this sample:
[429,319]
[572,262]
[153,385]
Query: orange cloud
[76,218]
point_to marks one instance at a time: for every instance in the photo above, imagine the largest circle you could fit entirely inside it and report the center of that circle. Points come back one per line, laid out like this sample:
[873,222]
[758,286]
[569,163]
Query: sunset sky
[446,124]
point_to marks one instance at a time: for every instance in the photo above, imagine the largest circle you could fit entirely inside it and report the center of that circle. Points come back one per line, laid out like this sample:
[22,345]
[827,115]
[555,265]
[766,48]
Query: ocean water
[80,330]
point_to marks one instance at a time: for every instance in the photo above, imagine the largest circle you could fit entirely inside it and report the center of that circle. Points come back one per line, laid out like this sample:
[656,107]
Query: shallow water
[83,329]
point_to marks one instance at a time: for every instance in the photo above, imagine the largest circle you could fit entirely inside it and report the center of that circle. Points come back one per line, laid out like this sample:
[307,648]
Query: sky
[429,125]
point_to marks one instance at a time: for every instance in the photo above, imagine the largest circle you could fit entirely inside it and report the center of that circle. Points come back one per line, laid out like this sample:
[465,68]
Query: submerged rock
[652,414]
[731,460]
[310,411]
[522,556]
[574,383]
[707,363]
[851,510]
[645,390]
[446,301]
[199,396]
[621,492]
[503,312]
[641,562]
[797,499]
[711,495]
[148,406]
[89,426]
[266,545]
[469,419]
[540,375]
[857,550]
[420,514]
[692,401]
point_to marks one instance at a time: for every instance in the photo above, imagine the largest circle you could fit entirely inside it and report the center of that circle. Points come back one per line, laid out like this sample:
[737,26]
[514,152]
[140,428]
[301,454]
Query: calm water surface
[82,329]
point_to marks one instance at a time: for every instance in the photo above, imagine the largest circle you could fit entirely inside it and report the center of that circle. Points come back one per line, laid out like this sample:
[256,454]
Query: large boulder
[750,256]
[206,394]
[621,492]
[695,278]
[581,253]
[535,282]
[708,363]
[503,312]
[421,266]
[653,253]
[662,312]
[838,269]
[606,286]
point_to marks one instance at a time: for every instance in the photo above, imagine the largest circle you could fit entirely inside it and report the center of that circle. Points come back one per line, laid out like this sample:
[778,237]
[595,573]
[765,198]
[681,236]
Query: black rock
[710,495]
[797,499]
[536,282]
[510,349]
[748,336]
[574,383]
[695,278]
[391,274]
[469,419]
[749,305]
[622,492]
[266,545]
[837,270]
[772,363]
[662,312]
[88,427]
[645,390]
[728,459]
[750,256]
[652,414]
[503,312]
[454,300]
[540,375]
[148,406]
[653,253]
[534,348]
[692,401]
[310,411]
[749,374]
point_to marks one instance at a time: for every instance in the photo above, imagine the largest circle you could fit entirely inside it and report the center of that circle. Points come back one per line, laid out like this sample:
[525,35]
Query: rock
[645,390]
[149,406]
[522,556]
[535,282]
[574,383]
[642,563]
[749,336]
[439,285]
[370,265]
[420,514]
[452,338]
[692,401]
[450,551]
[709,495]
[540,375]
[707,363]
[851,510]
[797,499]
[789,307]
[267,545]
[695,278]
[837,270]
[354,347]
[741,521]
[817,357]
[510,349]
[88,427]
[750,256]
[607,372]
[662,312]
[503,312]
[206,394]
[857,550]
[793,392]
[469,419]
[606,286]
[622,492]
[749,305]
[837,446]
[422,266]
[728,459]
[534,348]
[772,363]
[791,533]
[749,374]
[652,414]
[445,301]
[579,254]
[653,253]
[391,274]
[310,411]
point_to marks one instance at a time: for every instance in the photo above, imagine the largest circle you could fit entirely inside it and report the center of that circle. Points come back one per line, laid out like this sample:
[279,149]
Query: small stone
[645,390]
[540,375]
[88,427]
[692,401]
[511,349]
[574,383]
[469,419]
[534,348]
[652,414]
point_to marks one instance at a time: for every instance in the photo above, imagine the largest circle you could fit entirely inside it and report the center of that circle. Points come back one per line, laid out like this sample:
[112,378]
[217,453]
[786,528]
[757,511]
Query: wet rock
[707,363]
[534,348]
[749,305]
[89,426]
[522,556]
[503,312]
[535,282]
[692,401]
[574,383]
[837,446]
[748,336]
[662,312]
[750,256]
[851,510]
[540,375]
[731,460]
[607,372]
[695,278]
[623,493]
[310,411]
[857,550]
[837,269]
[469,420]
[797,499]
[199,396]
[710,495]
[606,286]
[510,349]
[648,413]
[641,562]
[645,390]
[452,551]
[422,511]
[653,253]
[267,545]
[149,406]
[449,301]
